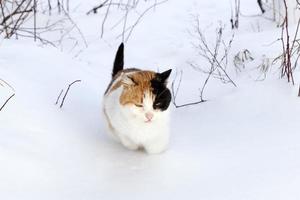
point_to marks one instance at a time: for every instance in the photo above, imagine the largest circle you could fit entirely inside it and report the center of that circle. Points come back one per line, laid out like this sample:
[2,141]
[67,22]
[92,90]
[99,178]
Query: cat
[135,106]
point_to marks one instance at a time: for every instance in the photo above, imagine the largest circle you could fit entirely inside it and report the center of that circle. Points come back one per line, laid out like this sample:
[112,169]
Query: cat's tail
[119,60]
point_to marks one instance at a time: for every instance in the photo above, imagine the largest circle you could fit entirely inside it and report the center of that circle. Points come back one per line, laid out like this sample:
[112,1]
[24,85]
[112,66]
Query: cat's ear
[163,77]
[127,80]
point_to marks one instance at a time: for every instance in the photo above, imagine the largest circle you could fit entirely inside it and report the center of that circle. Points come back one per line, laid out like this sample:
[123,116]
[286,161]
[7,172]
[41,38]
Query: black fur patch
[119,60]
[161,92]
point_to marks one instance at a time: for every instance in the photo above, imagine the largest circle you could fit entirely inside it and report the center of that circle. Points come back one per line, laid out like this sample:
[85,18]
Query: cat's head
[145,94]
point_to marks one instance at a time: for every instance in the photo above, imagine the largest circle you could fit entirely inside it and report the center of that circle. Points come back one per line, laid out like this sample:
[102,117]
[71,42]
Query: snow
[243,143]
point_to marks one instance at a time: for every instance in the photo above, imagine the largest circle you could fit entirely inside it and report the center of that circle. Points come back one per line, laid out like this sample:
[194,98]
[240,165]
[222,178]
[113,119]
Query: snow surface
[243,143]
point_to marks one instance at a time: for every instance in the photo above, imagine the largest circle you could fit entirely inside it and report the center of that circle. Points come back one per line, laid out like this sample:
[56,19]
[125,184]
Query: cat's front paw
[156,147]
[128,143]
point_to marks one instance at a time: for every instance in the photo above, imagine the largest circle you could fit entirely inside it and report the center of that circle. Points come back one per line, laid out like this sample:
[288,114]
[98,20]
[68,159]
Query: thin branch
[141,16]
[124,25]
[287,49]
[49,7]
[261,6]
[95,9]
[57,100]
[34,14]
[7,100]
[6,83]
[217,63]
[212,55]
[63,100]
[105,17]
[175,93]
[76,26]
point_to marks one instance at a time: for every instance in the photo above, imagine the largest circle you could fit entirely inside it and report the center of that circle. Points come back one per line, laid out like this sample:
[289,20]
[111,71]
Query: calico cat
[135,106]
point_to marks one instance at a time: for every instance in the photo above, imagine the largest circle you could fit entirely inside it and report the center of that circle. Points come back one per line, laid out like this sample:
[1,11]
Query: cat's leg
[157,145]
[128,143]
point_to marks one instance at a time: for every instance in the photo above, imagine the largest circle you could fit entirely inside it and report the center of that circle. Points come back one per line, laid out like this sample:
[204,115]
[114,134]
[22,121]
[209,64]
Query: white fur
[130,126]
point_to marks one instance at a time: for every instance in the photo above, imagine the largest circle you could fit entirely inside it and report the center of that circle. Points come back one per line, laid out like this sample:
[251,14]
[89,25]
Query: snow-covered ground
[243,143]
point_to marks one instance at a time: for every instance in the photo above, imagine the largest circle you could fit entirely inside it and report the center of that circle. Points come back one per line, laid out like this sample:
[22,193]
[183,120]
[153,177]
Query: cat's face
[145,95]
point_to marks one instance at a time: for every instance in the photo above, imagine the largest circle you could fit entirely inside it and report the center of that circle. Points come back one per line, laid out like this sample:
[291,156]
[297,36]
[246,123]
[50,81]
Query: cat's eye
[138,105]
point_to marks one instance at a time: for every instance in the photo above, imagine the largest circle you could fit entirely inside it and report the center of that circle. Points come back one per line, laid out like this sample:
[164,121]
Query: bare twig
[23,15]
[7,100]
[174,93]
[124,25]
[235,17]
[212,55]
[95,9]
[76,26]
[130,8]
[6,83]
[49,7]
[63,100]
[34,14]
[57,100]
[218,63]
[261,6]
[14,15]
[11,88]
[59,6]
[141,16]
[287,48]
[105,17]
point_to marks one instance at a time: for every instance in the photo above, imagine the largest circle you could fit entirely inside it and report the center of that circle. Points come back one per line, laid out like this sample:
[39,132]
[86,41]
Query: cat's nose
[149,116]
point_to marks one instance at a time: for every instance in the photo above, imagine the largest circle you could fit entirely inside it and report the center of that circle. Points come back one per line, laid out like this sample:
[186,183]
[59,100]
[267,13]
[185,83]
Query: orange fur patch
[113,86]
[133,94]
